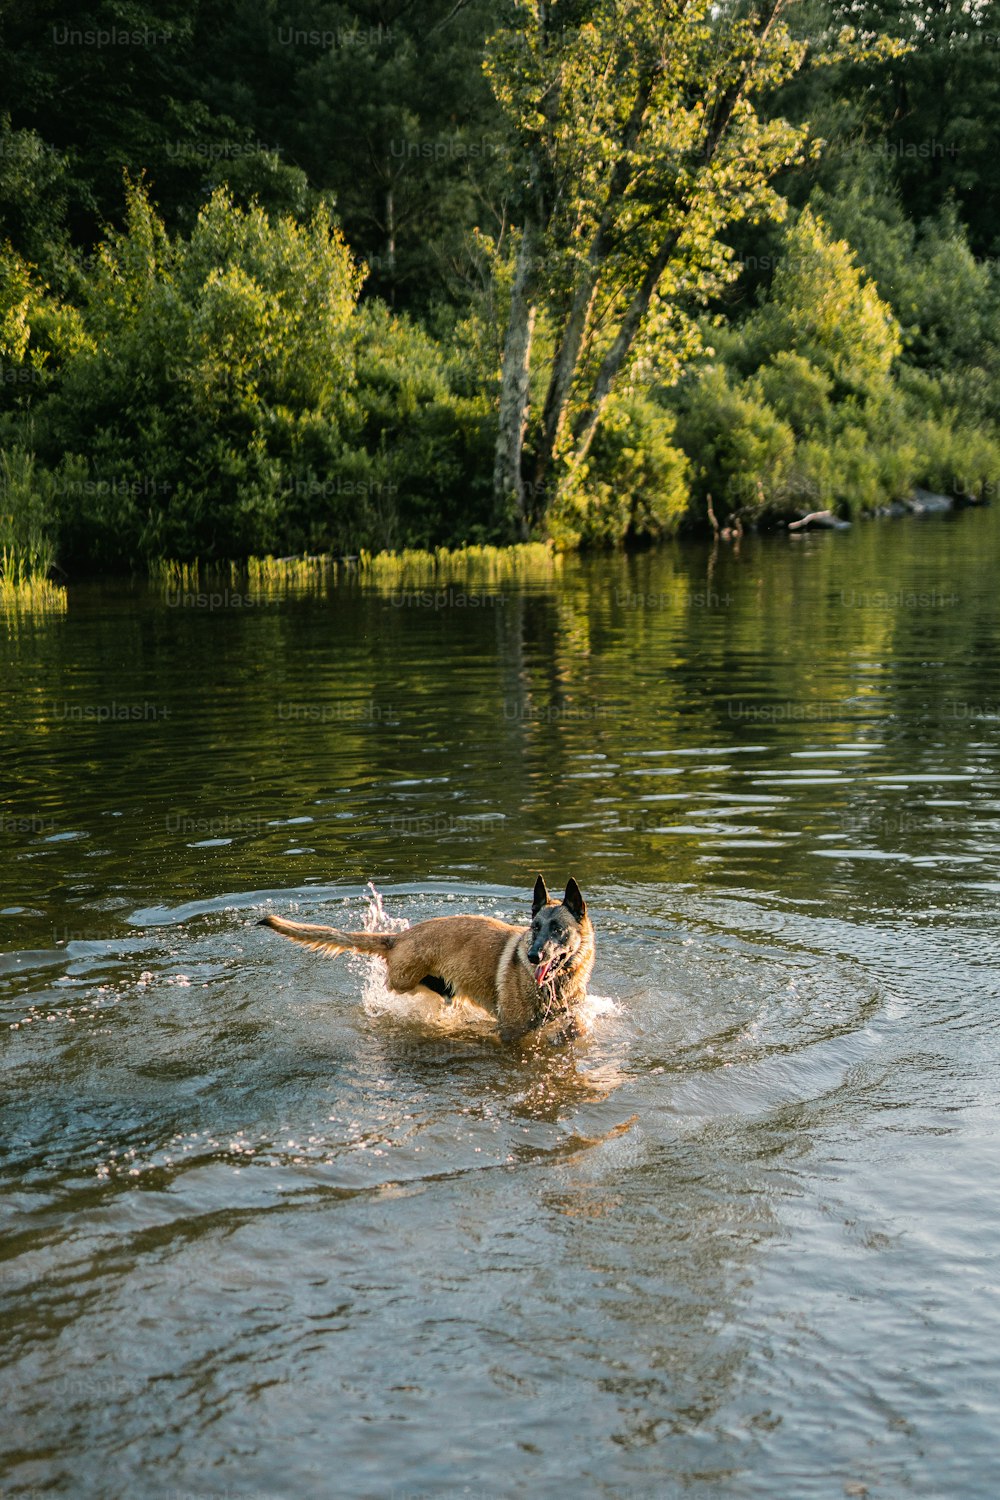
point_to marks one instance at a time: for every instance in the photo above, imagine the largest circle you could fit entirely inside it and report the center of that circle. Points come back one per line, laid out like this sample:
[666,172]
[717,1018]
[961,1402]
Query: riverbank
[236,583]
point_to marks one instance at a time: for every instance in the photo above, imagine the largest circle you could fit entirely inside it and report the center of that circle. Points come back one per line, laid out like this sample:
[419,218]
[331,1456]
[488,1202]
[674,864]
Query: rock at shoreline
[897,508]
[926,503]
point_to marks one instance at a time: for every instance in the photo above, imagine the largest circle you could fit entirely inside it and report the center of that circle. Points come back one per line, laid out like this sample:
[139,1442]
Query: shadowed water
[271,1231]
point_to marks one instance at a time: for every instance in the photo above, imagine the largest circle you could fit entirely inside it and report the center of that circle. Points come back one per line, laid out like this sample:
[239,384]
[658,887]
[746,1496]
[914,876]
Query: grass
[25,587]
[276,575]
[477,564]
[27,557]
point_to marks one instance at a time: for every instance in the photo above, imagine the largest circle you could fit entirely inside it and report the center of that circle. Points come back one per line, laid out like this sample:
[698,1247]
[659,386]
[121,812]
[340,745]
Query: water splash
[596,1007]
[376,918]
[376,996]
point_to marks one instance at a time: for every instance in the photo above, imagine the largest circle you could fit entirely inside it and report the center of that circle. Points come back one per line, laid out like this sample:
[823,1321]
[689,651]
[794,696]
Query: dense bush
[222,394]
[823,308]
[634,486]
[742,451]
[829,395]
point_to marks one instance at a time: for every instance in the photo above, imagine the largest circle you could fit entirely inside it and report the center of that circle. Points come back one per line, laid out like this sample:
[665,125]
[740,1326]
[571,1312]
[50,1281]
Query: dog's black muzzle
[547,959]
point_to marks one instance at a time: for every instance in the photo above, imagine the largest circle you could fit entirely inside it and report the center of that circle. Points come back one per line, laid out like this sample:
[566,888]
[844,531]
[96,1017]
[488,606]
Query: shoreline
[483,562]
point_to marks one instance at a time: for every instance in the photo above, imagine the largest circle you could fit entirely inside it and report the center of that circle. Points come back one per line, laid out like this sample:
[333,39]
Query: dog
[531,978]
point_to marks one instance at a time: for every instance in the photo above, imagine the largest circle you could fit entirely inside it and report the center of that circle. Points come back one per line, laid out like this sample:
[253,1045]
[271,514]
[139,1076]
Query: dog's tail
[329,939]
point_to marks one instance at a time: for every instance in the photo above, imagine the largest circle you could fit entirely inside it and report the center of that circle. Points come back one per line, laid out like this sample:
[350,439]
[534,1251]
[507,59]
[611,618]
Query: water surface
[270,1231]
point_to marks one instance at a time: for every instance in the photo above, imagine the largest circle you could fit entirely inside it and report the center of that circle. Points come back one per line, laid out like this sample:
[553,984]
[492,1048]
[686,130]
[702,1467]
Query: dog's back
[465,954]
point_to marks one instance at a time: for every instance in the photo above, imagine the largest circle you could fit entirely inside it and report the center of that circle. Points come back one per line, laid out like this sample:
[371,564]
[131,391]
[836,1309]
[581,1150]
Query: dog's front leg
[562,1029]
[517,1014]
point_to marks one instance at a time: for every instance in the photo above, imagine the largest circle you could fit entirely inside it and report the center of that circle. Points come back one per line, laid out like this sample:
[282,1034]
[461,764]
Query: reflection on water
[776,727]
[263,1219]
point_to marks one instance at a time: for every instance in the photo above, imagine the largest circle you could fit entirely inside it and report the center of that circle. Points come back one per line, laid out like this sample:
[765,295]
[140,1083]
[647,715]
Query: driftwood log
[822,519]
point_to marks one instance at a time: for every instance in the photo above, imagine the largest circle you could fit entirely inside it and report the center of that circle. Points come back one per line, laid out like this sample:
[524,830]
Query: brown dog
[528,977]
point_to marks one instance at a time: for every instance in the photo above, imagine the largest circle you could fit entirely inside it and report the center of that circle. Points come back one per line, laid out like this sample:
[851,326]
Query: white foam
[596,1006]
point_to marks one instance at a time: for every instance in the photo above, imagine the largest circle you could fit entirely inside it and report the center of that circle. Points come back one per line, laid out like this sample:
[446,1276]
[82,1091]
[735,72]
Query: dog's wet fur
[533,979]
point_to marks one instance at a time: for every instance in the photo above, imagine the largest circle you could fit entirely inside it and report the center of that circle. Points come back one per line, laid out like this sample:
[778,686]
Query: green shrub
[181,428]
[796,392]
[823,308]
[27,546]
[38,333]
[435,448]
[953,459]
[633,487]
[742,454]
[230,398]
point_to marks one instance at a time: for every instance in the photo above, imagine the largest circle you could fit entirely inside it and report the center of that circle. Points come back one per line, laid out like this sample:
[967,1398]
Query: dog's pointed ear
[573,900]
[540,897]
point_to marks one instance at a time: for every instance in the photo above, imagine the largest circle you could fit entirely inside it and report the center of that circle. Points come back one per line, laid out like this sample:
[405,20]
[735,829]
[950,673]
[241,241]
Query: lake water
[271,1231]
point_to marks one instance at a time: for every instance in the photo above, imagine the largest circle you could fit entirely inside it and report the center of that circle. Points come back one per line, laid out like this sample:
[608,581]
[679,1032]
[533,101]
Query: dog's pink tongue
[541,971]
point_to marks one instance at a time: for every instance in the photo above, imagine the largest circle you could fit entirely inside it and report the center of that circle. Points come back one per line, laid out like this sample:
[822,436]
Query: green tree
[919,109]
[217,366]
[822,306]
[635,141]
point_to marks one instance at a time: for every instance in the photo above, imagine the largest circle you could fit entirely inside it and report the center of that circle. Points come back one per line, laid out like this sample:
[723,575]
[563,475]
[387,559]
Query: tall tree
[634,142]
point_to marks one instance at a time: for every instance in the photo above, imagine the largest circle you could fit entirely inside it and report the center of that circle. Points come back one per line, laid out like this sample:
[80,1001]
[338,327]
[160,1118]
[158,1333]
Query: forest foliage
[309,277]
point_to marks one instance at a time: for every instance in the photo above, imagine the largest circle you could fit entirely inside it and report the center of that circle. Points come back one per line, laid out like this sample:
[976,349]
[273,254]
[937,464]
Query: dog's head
[558,929]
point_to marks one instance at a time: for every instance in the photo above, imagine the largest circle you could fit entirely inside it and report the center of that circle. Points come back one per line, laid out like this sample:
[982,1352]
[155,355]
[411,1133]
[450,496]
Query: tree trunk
[578,319]
[390,232]
[508,475]
[564,370]
[589,418]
